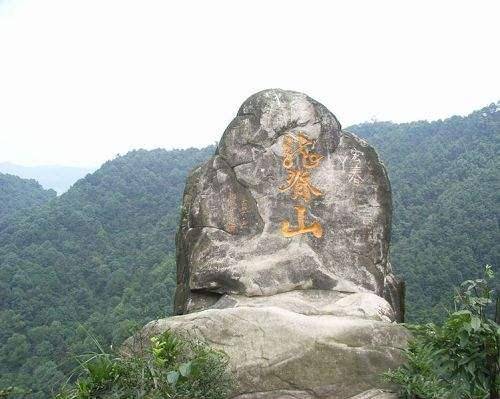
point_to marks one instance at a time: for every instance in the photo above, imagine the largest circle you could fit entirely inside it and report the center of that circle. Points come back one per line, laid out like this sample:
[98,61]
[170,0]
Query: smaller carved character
[355,170]
[355,175]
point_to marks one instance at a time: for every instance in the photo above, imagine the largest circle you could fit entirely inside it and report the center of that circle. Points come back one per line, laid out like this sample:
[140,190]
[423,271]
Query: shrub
[460,358]
[12,392]
[174,367]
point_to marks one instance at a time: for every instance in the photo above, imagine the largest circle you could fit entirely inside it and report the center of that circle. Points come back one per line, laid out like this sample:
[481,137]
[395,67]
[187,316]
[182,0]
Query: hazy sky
[81,81]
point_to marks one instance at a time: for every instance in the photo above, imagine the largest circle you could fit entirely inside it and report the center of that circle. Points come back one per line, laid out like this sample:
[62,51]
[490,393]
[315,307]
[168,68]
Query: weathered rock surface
[282,256]
[230,239]
[277,353]
[317,302]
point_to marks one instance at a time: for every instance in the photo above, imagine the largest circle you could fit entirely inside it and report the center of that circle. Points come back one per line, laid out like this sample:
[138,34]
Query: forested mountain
[445,178]
[98,259]
[58,178]
[17,194]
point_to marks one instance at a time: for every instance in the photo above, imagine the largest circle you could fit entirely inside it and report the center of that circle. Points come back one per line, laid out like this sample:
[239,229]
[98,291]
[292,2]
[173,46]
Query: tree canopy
[98,260]
[17,194]
[445,182]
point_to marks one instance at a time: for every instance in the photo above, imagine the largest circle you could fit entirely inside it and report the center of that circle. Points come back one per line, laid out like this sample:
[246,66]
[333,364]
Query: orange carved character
[314,228]
[298,160]
[299,178]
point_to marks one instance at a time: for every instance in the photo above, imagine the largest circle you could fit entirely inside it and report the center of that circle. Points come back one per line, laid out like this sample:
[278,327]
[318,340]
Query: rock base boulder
[320,351]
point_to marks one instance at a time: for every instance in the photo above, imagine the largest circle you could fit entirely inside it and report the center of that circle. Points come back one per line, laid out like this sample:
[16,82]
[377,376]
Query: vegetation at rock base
[174,367]
[461,357]
[99,258]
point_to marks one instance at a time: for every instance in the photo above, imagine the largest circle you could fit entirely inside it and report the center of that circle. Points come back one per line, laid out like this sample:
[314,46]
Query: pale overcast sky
[81,81]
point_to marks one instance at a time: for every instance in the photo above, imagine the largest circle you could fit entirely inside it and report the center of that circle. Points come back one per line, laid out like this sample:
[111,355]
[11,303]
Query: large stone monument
[282,255]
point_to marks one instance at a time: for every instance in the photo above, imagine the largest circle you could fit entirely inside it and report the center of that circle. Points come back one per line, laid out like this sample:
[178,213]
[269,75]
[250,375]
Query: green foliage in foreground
[174,367]
[460,358]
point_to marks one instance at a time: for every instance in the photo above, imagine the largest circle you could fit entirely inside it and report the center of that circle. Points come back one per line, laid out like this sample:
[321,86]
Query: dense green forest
[94,260]
[17,194]
[445,178]
[98,259]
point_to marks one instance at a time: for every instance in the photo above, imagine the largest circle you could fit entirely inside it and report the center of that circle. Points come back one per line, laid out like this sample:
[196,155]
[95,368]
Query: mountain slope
[97,258]
[58,178]
[445,182]
[17,194]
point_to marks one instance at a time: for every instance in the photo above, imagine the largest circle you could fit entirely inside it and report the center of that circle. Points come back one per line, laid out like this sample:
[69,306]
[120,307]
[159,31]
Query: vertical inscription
[244,213]
[366,217]
[299,160]
[236,214]
[232,226]
[355,171]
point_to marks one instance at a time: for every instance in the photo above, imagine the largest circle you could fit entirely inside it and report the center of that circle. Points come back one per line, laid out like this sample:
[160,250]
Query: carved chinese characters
[298,160]
[232,226]
[237,213]
[288,202]
[314,228]
[355,172]
[282,252]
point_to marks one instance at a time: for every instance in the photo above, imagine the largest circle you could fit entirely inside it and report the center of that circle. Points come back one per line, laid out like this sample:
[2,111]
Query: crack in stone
[246,114]
[248,192]
[210,227]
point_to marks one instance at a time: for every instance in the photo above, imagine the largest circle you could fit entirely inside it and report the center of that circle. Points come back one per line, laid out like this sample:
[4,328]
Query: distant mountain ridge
[58,178]
[17,194]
